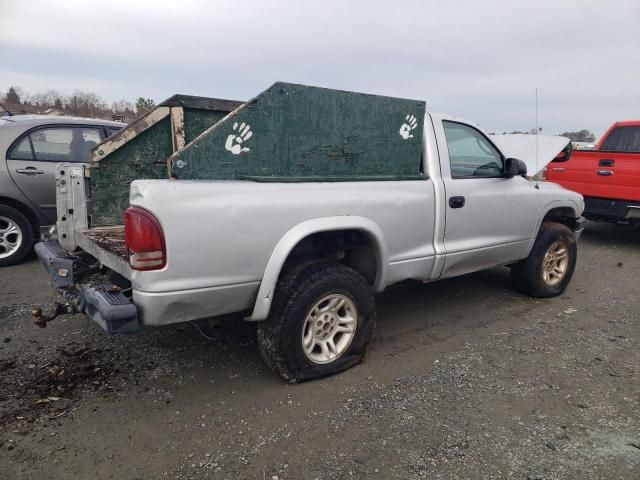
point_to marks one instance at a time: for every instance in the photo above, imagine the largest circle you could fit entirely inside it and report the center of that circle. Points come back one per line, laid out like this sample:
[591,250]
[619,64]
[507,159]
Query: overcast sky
[481,60]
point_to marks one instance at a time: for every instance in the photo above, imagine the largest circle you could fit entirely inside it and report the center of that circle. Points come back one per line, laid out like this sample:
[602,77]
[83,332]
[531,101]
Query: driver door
[490,219]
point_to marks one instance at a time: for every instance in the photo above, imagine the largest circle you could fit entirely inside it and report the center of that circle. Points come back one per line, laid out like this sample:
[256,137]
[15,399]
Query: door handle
[456,202]
[558,169]
[604,173]
[606,162]
[30,171]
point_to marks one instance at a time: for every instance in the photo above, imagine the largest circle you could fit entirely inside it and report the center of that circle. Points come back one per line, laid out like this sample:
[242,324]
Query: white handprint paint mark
[410,124]
[237,138]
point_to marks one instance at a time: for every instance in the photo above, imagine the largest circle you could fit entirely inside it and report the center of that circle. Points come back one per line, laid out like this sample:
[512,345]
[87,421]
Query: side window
[113,130]
[470,153]
[91,136]
[84,139]
[64,144]
[52,144]
[22,151]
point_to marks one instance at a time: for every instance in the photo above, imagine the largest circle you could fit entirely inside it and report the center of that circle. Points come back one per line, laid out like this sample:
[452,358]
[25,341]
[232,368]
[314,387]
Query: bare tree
[79,103]
[123,107]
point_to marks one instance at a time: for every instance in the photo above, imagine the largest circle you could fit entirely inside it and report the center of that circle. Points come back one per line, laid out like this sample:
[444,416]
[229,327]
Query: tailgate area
[104,295]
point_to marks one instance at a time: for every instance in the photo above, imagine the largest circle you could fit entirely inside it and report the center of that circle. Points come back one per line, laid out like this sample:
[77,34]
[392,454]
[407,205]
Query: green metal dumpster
[288,133]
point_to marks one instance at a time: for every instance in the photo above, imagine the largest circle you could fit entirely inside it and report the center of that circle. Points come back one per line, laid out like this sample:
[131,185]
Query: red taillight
[544,173]
[144,240]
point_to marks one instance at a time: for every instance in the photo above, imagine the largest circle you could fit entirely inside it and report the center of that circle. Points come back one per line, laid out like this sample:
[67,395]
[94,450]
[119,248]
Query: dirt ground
[464,380]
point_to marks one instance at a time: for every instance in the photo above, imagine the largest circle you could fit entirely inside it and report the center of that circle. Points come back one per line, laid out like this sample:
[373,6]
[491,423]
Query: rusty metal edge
[201,103]
[106,258]
[128,133]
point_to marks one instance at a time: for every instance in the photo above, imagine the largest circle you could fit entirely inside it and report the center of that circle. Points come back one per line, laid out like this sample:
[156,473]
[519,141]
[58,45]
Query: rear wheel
[320,323]
[548,269]
[16,236]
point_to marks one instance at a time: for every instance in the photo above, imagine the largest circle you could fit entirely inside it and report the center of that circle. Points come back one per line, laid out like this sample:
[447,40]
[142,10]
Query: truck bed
[107,245]
[110,239]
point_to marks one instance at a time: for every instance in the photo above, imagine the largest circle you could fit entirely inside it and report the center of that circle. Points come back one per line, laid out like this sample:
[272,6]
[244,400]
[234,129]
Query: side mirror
[514,167]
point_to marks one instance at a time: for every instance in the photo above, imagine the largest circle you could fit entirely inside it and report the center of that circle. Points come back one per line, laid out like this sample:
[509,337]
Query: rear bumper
[105,303]
[95,296]
[612,210]
[163,308]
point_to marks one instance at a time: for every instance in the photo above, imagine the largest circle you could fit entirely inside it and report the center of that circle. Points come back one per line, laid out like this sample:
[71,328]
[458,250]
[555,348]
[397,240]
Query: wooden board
[309,133]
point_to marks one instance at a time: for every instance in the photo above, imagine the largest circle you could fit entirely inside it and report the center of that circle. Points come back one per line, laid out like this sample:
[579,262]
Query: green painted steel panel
[144,156]
[197,121]
[310,133]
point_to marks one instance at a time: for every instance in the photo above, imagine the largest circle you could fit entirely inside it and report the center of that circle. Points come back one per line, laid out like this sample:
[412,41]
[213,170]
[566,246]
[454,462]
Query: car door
[490,219]
[618,166]
[578,173]
[33,158]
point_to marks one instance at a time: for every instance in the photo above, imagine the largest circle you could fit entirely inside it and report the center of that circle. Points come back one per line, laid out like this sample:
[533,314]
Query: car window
[623,139]
[84,139]
[64,144]
[91,136]
[470,153]
[22,151]
[52,144]
[113,130]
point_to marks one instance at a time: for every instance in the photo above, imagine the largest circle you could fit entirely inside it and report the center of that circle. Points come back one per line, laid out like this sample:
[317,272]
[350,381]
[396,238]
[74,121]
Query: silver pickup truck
[305,255]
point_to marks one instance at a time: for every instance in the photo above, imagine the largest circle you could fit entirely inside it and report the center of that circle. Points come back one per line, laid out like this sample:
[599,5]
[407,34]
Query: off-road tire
[27,235]
[280,336]
[527,275]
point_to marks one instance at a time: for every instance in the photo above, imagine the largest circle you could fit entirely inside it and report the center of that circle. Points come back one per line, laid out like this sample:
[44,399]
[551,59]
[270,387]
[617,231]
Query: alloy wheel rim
[10,237]
[555,263]
[329,328]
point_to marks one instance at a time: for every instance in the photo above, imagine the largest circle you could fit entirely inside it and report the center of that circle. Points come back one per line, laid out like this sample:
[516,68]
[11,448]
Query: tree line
[90,104]
[79,103]
[579,136]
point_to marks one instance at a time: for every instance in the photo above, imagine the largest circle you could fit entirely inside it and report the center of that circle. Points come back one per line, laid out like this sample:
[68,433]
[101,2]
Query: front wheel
[548,269]
[320,323]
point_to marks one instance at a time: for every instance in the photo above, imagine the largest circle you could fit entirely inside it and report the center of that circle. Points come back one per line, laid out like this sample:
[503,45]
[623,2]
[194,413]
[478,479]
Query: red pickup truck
[608,177]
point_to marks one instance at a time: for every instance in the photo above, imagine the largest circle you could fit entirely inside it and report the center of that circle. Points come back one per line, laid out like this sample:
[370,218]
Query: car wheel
[320,323]
[548,269]
[16,236]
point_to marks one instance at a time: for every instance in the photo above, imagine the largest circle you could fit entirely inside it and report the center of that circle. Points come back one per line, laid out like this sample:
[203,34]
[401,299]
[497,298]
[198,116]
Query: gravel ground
[464,379]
